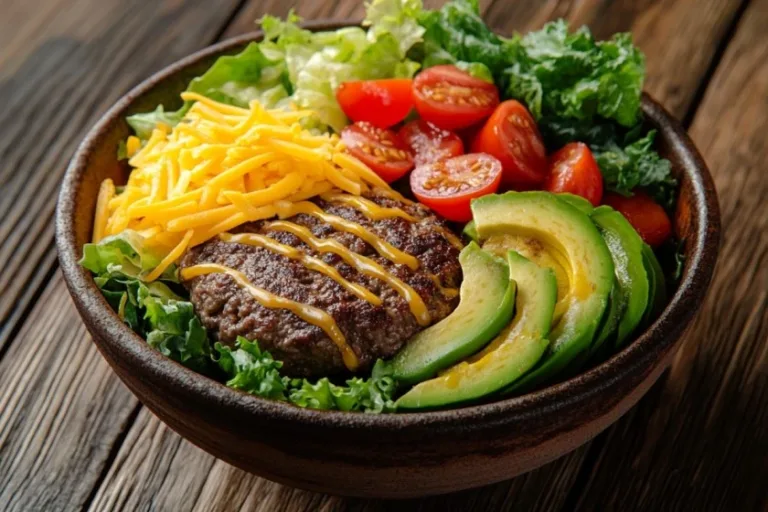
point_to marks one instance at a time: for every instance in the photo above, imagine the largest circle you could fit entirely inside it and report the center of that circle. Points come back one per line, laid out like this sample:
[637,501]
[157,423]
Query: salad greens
[294,65]
[577,88]
[169,324]
[252,370]
[153,310]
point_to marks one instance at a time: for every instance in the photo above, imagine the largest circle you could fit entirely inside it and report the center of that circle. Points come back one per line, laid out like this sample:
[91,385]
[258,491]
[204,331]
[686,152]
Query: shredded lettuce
[294,65]
[318,62]
[153,310]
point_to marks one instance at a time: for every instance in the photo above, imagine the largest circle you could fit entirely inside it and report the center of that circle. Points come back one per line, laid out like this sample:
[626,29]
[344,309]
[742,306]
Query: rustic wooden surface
[73,437]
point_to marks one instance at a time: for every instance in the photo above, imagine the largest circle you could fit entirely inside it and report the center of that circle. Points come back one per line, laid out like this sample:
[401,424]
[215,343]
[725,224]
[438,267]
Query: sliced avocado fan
[510,355]
[485,308]
[555,234]
[626,249]
[658,285]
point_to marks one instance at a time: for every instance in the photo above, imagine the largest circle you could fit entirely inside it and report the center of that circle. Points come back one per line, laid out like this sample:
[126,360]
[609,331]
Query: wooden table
[73,437]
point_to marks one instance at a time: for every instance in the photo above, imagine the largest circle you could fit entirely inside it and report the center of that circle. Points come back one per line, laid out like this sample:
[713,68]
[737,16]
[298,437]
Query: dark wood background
[73,437]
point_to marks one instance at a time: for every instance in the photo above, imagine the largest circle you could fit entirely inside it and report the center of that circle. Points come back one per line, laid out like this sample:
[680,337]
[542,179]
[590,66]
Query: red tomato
[429,143]
[449,185]
[382,103]
[646,216]
[450,98]
[573,169]
[378,148]
[511,135]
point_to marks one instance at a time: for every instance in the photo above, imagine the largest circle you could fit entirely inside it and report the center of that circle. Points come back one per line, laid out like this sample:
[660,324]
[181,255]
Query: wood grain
[546,489]
[61,408]
[61,423]
[702,440]
[56,88]
[156,468]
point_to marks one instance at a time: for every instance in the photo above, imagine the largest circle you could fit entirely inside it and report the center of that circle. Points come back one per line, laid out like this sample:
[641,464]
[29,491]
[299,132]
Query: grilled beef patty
[372,332]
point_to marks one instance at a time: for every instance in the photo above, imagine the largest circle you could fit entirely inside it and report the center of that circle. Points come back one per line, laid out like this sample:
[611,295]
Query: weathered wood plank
[225,487]
[61,408]
[157,469]
[701,443]
[62,64]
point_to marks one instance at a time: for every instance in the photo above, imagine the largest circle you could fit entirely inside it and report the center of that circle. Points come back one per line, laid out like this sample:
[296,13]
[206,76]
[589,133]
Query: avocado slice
[578,202]
[658,285]
[555,234]
[626,249]
[485,308]
[611,318]
[470,232]
[512,353]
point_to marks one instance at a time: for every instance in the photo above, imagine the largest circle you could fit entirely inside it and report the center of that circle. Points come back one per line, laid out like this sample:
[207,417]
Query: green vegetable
[573,76]
[251,370]
[249,75]
[318,62]
[457,32]
[143,124]
[153,310]
[476,69]
[255,371]
[304,67]
[374,395]
[626,159]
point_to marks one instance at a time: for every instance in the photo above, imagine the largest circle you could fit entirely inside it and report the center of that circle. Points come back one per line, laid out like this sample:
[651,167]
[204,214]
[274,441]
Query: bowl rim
[651,345]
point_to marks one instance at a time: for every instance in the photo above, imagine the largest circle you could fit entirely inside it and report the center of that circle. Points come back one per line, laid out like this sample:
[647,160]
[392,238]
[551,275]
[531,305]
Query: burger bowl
[386,455]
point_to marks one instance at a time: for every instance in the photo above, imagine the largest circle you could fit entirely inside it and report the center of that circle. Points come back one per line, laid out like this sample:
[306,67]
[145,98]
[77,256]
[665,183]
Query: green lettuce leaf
[626,157]
[457,32]
[397,18]
[570,75]
[318,62]
[126,254]
[373,395]
[143,124]
[255,371]
[251,370]
[153,310]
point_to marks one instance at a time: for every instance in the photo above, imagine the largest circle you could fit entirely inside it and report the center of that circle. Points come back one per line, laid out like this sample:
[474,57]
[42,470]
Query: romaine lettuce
[153,310]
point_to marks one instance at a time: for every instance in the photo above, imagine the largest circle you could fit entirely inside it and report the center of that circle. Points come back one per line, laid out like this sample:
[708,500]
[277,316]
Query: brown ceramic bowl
[398,455]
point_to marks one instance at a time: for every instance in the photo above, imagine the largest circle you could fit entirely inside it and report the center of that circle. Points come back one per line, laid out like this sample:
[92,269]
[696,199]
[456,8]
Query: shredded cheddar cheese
[220,167]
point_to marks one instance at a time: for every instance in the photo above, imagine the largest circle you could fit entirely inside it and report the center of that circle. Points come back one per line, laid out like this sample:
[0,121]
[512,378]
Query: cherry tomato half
[511,135]
[450,98]
[646,216]
[382,103]
[573,169]
[449,185]
[378,148]
[428,143]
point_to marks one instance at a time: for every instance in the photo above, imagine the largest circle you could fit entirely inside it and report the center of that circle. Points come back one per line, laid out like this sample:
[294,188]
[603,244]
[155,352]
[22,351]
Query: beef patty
[372,332]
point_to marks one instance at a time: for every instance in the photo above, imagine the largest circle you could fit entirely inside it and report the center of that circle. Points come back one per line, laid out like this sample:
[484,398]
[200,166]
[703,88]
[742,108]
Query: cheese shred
[220,167]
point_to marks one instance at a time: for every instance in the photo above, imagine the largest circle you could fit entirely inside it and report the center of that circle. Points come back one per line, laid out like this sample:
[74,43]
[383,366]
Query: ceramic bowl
[397,455]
